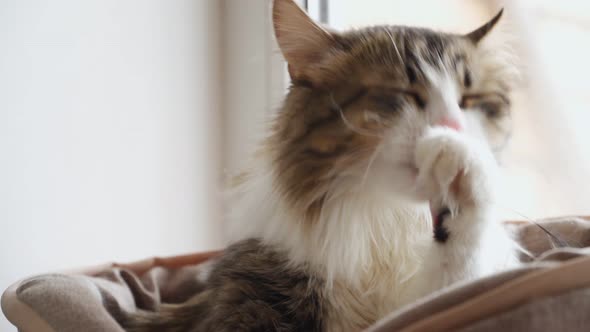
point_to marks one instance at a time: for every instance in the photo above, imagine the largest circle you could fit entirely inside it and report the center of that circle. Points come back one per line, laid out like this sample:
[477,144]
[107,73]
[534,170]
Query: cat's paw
[453,173]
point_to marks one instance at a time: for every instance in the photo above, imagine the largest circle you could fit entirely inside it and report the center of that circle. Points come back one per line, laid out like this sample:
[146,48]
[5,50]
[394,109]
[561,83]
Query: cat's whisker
[401,59]
[556,242]
[351,158]
[371,160]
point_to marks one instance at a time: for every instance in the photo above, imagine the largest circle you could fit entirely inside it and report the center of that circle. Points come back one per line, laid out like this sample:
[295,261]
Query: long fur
[374,187]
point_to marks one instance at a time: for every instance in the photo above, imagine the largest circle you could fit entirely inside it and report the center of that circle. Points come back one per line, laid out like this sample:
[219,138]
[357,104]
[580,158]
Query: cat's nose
[451,123]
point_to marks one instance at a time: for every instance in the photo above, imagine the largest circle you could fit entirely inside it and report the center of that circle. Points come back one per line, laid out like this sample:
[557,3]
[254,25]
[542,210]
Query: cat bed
[551,292]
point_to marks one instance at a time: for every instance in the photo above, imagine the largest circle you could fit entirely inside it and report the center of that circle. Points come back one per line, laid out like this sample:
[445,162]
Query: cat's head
[360,99]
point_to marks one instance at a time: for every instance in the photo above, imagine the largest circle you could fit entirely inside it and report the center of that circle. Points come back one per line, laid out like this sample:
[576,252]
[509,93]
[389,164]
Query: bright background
[109,126]
[119,119]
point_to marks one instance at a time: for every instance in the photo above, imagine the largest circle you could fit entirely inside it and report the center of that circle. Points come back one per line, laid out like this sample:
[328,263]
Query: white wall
[108,118]
[254,76]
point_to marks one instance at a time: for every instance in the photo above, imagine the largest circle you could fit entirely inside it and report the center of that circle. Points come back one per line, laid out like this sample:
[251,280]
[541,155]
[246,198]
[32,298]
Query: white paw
[453,172]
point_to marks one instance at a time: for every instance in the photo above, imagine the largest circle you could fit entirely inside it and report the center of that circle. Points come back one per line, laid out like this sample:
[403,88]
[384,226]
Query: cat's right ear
[302,41]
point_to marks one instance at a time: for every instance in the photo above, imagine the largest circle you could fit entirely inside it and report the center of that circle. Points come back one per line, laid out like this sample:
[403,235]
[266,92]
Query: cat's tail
[168,318]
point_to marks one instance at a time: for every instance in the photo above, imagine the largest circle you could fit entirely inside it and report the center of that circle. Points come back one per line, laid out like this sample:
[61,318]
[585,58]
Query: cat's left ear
[302,41]
[478,34]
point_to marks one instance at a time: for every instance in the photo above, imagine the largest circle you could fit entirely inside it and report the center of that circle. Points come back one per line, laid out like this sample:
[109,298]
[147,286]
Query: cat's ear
[476,35]
[301,40]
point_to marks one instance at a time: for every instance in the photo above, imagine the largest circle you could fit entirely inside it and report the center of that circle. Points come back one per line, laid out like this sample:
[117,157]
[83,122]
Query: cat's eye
[489,104]
[415,96]
[393,99]
[389,102]
[472,100]
[491,109]
[420,102]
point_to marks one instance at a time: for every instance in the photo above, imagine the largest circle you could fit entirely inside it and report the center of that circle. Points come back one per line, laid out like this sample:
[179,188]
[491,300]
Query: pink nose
[451,123]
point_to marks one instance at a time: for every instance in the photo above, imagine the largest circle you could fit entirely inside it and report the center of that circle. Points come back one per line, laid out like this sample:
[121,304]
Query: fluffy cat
[374,187]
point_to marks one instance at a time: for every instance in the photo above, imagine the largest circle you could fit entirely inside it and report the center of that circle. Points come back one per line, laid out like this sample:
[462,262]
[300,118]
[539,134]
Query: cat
[375,186]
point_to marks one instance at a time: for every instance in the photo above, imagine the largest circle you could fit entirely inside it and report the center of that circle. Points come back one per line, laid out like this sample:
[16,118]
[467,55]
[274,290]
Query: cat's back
[251,287]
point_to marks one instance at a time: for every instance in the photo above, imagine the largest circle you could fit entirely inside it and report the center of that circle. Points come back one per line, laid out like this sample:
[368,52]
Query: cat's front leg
[458,178]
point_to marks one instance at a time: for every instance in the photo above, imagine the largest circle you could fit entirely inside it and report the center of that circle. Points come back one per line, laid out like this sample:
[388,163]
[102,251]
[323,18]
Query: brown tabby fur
[250,288]
[350,88]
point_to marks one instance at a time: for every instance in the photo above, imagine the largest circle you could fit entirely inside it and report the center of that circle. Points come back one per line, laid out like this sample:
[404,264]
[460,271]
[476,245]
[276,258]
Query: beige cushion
[555,282]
